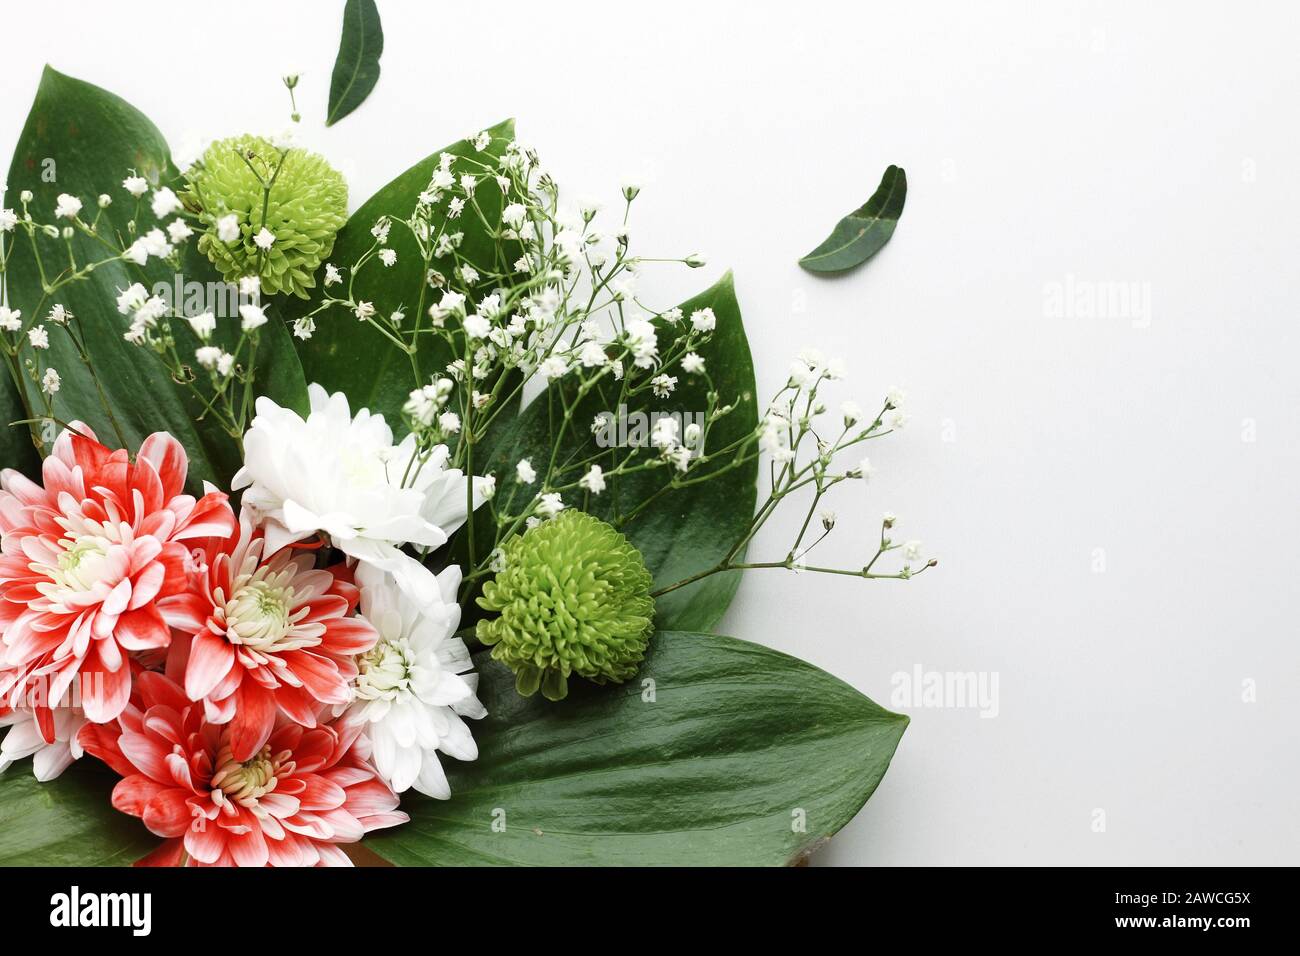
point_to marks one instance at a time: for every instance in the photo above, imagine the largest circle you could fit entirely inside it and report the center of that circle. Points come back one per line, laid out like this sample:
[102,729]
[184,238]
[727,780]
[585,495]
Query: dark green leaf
[354,357]
[17,449]
[356,68]
[687,530]
[737,745]
[89,139]
[68,821]
[862,233]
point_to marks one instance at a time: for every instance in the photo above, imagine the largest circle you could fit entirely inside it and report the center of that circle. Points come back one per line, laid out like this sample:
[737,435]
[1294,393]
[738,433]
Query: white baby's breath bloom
[449,422]
[50,381]
[553,367]
[137,252]
[773,440]
[593,480]
[663,385]
[342,474]
[203,324]
[67,207]
[164,203]
[898,420]
[178,230]
[264,239]
[39,338]
[388,257]
[364,311]
[207,356]
[524,472]
[304,327]
[641,340]
[332,274]
[895,397]
[550,504]
[703,320]
[692,364]
[132,298]
[514,215]
[137,186]
[380,230]
[59,314]
[691,436]
[679,456]
[225,363]
[11,320]
[250,287]
[801,374]
[477,327]
[156,244]
[415,684]
[252,317]
[592,355]
[664,434]
[852,413]
[228,228]
[912,550]
[865,469]
[8,219]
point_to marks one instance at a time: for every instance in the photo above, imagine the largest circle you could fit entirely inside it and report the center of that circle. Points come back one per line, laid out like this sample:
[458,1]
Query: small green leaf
[68,821]
[356,68]
[718,753]
[862,233]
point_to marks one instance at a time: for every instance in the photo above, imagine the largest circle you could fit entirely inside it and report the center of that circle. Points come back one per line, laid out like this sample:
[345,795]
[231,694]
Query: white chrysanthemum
[49,758]
[416,684]
[344,476]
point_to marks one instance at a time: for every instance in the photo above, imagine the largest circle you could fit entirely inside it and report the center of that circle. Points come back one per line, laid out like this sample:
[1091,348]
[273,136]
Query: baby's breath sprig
[800,458]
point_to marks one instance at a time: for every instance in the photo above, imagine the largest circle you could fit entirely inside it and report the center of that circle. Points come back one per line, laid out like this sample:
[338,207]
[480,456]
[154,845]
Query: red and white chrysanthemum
[271,635]
[90,559]
[300,795]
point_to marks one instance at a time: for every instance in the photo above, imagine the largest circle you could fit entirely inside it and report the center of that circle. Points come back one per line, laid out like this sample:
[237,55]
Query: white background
[1092,143]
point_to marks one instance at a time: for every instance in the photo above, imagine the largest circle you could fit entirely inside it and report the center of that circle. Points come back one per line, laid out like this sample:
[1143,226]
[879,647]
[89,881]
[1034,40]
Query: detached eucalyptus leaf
[717,753]
[356,68]
[862,233]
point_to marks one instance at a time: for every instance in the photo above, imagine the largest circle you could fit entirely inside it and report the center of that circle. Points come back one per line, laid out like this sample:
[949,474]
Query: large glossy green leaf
[68,821]
[687,530]
[862,233]
[354,357]
[735,754]
[356,68]
[88,140]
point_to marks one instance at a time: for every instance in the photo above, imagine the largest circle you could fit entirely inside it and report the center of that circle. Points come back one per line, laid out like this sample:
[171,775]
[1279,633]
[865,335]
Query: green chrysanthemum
[307,205]
[574,598]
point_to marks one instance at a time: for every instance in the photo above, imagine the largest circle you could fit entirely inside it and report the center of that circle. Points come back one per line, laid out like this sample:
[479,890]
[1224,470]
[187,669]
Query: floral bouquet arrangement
[399,534]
